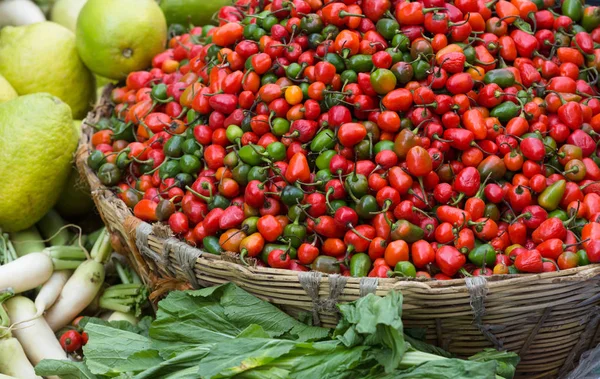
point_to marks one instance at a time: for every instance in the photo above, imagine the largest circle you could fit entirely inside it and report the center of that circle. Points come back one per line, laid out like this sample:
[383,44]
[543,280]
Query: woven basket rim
[104,105]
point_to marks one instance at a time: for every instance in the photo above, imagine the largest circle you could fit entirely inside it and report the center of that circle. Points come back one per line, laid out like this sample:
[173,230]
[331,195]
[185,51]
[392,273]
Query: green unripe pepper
[251,154]
[291,195]
[211,244]
[501,76]
[360,63]
[406,231]
[324,158]
[359,265]
[326,265]
[550,198]
[405,269]
[324,140]
[365,206]
[483,255]
[573,9]
[505,111]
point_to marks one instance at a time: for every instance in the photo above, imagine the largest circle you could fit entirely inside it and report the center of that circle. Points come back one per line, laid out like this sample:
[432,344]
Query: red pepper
[526,43]
[551,228]
[449,260]
[593,251]
[529,261]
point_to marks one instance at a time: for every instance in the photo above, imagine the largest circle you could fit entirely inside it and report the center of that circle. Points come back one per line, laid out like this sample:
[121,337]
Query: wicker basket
[549,319]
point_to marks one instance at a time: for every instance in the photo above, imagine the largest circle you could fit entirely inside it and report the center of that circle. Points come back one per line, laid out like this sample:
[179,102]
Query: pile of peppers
[378,138]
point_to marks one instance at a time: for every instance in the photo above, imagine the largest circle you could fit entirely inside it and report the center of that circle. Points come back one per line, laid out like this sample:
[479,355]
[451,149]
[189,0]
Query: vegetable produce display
[238,335]
[44,288]
[370,138]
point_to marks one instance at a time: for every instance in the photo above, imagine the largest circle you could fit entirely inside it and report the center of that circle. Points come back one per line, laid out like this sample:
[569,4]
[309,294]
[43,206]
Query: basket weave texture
[549,318]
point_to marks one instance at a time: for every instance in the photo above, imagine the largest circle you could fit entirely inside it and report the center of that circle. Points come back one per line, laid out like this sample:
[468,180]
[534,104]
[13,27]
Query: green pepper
[501,76]
[583,258]
[349,76]
[323,176]
[97,159]
[360,63]
[295,211]
[311,23]
[159,92]
[169,169]
[190,164]
[336,61]
[591,18]
[550,144]
[396,54]
[513,270]
[258,173]
[280,126]
[172,148]
[330,32]
[251,154]
[123,131]
[505,111]
[268,78]
[401,42]
[421,69]
[268,22]
[573,9]
[363,149]
[277,151]
[337,204]
[234,133]
[191,146]
[295,233]
[211,244]
[264,255]
[250,225]
[324,158]
[231,160]
[406,231]
[366,206]
[359,265]
[469,52]
[182,179]
[492,212]
[326,265]
[212,52]
[240,174]
[109,174]
[314,40]
[483,256]
[383,145]
[560,214]
[357,185]
[550,198]
[403,72]
[405,269]
[387,27]
[291,195]
[578,224]
[324,140]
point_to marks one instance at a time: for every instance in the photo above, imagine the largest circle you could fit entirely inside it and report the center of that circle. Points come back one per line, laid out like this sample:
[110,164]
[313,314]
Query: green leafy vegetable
[224,332]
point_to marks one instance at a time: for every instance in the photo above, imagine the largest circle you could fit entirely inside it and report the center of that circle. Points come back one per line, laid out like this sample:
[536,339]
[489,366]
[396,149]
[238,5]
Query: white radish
[13,360]
[79,291]
[51,290]
[26,273]
[2,376]
[32,331]
[19,12]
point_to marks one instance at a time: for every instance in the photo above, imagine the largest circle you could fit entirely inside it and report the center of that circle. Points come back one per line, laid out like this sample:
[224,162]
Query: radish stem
[27,241]
[124,298]
[53,228]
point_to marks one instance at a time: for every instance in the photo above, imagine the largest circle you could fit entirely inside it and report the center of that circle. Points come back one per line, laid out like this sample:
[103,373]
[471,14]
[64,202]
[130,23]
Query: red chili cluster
[371,137]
